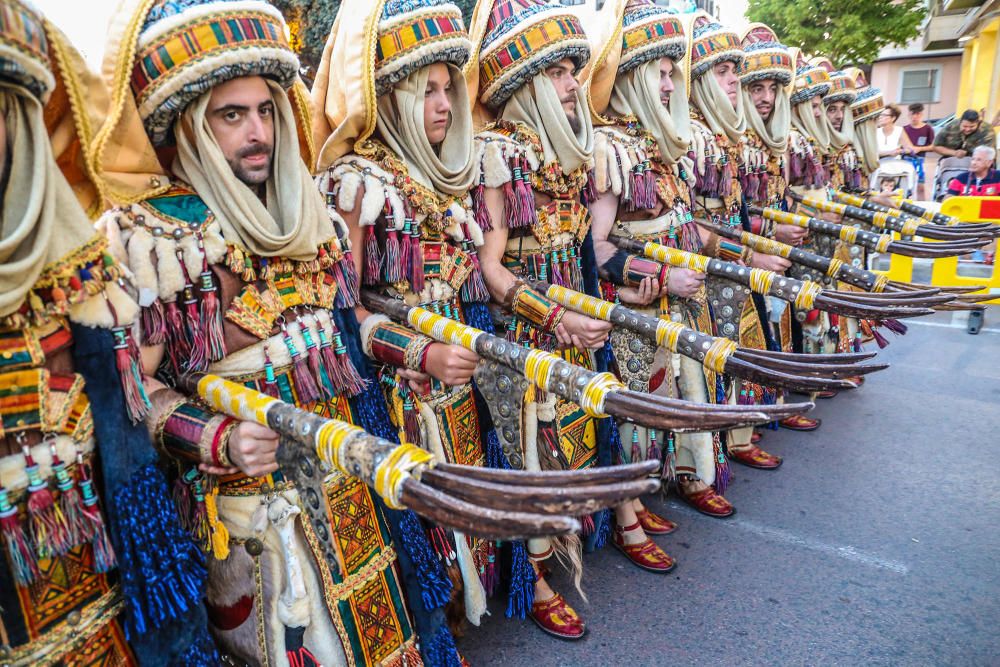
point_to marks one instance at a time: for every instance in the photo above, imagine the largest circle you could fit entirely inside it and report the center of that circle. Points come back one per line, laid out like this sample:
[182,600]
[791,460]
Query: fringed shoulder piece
[510,156]
[716,164]
[847,170]
[761,173]
[804,163]
[400,217]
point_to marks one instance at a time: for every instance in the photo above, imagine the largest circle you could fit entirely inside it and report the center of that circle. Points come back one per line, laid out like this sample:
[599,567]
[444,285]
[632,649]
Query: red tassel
[345,378]
[636,454]
[479,210]
[46,524]
[416,260]
[270,386]
[127,362]
[100,542]
[178,347]
[197,360]
[19,552]
[154,323]
[653,451]
[70,502]
[489,577]
[669,472]
[723,473]
[315,365]
[211,316]
[373,258]
[411,420]
[587,526]
[393,262]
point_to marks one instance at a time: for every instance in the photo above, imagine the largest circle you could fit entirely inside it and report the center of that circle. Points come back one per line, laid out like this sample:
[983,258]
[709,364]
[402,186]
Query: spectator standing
[892,141]
[921,136]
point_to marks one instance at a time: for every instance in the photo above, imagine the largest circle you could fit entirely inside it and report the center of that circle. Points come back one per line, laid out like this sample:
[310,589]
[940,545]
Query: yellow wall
[980,86]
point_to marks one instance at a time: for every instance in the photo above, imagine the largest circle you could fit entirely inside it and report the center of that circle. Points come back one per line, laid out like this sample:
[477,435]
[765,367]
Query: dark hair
[916,108]
[970,116]
[893,111]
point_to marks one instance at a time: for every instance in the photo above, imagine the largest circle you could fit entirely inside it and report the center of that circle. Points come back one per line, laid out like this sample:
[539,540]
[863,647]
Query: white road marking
[777,534]
[951,325]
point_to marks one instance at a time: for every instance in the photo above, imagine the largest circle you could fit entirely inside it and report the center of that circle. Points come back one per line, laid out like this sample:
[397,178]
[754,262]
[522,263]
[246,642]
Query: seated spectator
[921,136]
[982,179]
[892,141]
[961,136]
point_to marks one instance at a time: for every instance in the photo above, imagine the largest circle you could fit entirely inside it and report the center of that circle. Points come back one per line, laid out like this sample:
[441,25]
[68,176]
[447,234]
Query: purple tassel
[879,339]
[895,326]
[653,452]
[636,454]
[651,193]
[589,189]
[211,316]
[17,543]
[347,282]
[345,378]
[154,323]
[726,180]
[305,386]
[416,260]
[723,473]
[405,258]
[315,364]
[198,358]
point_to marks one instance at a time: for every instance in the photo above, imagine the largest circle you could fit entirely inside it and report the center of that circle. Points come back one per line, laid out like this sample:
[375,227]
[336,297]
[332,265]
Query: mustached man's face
[437,103]
[763,95]
[241,117]
[725,74]
[666,82]
[566,85]
[835,114]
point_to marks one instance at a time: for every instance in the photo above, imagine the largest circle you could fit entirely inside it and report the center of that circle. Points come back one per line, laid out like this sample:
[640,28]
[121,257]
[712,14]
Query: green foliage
[311,21]
[846,31]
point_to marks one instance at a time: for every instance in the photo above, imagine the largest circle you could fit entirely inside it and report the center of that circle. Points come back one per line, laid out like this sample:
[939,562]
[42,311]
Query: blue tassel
[200,653]
[477,315]
[440,650]
[435,586]
[603,521]
[162,571]
[495,458]
[720,390]
[521,593]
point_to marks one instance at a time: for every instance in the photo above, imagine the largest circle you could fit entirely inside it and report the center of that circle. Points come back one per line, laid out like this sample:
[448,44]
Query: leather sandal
[646,555]
[826,393]
[654,524]
[755,438]
[797,423]
[754,457]
[856,379]
[708,502]
[557,618]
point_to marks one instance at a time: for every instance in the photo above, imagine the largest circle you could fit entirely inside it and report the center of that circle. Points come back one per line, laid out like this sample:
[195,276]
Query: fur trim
[474,593]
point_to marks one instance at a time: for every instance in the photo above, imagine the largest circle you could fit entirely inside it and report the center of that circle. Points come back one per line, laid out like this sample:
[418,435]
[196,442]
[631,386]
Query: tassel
[587,525]
[856,343]
[219,534]
[305,386]
[479,210]
[669,472]
[393,262]
[154,323]
[373,258]
[726,178]
[211,316]
[127,361]
[603,521]
[100,542]
[441,544]
[46,524]
[347,380]
[70,503]
[589,194]
[411,420]
[178,347]
[488,575]
[270,386]
[895,326]
[347,281]
[521,593]
[405,256]
[653,452]
[184,500]
[723,474]
[440,649]
[636,454]
[313,360]
[879,339]
[764,184]
[651,190]
[197,360]
[416,259]
[435,586]
[20,555]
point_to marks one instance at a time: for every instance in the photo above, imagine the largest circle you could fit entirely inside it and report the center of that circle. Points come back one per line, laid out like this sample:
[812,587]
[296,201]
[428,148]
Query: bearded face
[241,118]
[763,94]
[566,85]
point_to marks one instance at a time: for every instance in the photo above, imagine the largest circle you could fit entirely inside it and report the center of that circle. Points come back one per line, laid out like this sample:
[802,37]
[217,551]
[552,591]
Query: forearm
[185,430]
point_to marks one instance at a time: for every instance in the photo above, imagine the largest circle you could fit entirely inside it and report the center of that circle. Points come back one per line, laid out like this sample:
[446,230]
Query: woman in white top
[892,141]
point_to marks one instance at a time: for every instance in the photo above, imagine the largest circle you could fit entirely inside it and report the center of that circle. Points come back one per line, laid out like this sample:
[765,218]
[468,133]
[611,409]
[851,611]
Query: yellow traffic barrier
[944,272]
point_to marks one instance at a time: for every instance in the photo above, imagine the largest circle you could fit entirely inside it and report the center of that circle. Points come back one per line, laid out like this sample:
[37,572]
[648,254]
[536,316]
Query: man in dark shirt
[921,135]
[982,179]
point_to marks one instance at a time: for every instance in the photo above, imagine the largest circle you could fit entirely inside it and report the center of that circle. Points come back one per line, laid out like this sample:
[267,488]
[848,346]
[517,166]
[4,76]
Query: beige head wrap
[637,93]
[805,122]
[866,143]
[774,132]
[42,221]
[537,105]
[720,114]
[447,169]
[292,223]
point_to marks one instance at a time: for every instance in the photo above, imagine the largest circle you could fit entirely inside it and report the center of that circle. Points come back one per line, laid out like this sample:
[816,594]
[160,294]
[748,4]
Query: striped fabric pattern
[520,48]
[199,40]
[649,33]
[24,48]
[405,38]
[841,88]
[810,81]
[767,61]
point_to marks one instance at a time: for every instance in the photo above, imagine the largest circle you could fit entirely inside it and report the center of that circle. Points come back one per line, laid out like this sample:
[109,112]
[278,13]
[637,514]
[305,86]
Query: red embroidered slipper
[707,501]
[557,618]
[755,457]
[646,555]
[797,423]
[655,524]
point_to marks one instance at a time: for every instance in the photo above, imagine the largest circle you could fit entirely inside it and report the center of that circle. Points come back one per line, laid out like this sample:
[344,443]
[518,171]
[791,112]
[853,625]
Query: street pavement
[876,543]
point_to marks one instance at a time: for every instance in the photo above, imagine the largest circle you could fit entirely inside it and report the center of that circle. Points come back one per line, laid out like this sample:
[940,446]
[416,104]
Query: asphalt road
[876,543]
